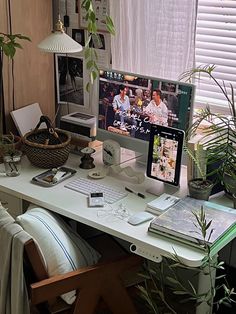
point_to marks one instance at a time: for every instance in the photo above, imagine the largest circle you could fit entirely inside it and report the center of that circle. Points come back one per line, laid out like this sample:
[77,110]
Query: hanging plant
[89,52]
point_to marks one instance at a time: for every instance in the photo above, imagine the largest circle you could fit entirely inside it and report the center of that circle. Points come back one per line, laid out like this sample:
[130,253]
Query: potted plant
[199,186]
[220,133]
[166,291]
[10,145]
[10,154]
[8,45]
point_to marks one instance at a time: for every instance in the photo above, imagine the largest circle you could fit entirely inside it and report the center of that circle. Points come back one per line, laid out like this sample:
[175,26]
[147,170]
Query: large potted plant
[220,133]
[8,45]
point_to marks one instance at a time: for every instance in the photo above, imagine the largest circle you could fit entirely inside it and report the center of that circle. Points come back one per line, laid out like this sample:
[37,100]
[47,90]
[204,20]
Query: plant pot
[200,189]
[229,184]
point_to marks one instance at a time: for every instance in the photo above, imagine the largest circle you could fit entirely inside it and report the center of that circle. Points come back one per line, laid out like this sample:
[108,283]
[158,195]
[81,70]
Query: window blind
[216,44]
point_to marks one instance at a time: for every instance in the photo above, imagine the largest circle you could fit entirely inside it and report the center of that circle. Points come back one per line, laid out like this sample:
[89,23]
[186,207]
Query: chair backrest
[35,259]
[35,271]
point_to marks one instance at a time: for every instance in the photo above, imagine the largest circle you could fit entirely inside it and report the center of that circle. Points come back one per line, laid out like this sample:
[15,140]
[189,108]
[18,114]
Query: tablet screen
[165,152]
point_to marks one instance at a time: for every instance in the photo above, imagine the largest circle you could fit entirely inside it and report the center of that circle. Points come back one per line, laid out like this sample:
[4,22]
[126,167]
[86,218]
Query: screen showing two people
[129,104]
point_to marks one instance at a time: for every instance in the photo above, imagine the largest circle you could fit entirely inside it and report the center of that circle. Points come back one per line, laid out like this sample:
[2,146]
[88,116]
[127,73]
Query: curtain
[153,37]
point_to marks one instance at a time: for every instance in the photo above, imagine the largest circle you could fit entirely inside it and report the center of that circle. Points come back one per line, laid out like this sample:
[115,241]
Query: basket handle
[50,128]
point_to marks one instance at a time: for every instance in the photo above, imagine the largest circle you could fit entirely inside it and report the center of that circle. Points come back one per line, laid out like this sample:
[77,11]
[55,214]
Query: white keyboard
[86,186]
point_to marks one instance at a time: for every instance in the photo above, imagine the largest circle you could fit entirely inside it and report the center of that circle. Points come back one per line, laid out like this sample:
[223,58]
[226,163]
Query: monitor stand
[127,155]
[158,187]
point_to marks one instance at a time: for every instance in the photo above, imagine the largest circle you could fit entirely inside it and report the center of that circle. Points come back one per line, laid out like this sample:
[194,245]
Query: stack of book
[160,204]
[179,223]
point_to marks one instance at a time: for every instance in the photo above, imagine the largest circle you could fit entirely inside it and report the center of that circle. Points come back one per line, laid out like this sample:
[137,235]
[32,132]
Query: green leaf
[87,42]
[86,53]
[83,3]
[110,29]
[89,64]
[172,280]
[180,292]
[23,37]
[91,77]
[110,25]
[94,75]
[87,5]
[95,66]
[18,45]
[9,50]
[93,28]
[88,87]
[93,17]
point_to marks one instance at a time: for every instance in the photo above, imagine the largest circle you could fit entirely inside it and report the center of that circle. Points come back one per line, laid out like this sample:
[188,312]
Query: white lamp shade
[59,42]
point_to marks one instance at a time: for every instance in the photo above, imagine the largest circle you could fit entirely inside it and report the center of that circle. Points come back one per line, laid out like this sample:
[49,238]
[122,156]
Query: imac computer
[126,107]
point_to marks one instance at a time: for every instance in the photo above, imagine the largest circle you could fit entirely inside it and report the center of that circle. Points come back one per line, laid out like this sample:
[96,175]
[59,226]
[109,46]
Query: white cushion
[62,248]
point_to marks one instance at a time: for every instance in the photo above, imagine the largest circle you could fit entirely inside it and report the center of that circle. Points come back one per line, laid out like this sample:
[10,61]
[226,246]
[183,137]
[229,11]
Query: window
[216,44]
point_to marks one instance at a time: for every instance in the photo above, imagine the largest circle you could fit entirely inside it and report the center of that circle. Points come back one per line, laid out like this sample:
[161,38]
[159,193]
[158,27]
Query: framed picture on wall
[79,36]
[98,43]
[101,9]
[71,80]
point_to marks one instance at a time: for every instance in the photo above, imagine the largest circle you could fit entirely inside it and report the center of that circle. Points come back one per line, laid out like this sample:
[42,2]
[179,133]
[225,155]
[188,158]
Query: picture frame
[71,80]
[101,9]
[79,36]
[98,43]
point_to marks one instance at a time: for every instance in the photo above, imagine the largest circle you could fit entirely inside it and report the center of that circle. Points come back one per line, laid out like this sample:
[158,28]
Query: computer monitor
[126,107]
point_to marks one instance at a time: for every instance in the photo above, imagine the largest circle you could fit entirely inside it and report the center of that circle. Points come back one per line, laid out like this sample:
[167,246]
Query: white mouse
[139,218]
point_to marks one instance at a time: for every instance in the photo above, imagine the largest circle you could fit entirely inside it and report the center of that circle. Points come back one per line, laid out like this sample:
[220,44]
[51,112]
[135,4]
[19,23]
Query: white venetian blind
[216,44]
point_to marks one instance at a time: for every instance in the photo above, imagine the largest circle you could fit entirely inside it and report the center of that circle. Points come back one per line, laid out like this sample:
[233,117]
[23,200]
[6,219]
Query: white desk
[74,205]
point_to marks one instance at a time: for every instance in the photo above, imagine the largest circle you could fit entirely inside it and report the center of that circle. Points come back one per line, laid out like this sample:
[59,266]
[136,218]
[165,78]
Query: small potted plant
[221,132]
[200,186]
[10,154]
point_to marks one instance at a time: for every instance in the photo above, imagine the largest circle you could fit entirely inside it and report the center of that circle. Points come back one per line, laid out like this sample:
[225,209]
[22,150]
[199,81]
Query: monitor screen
[129,104]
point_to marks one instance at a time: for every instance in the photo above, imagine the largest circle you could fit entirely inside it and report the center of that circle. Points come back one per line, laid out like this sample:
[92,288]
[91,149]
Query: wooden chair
[93,283]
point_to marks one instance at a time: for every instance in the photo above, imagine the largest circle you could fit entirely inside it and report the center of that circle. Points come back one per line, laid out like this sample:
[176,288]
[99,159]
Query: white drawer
[14,204]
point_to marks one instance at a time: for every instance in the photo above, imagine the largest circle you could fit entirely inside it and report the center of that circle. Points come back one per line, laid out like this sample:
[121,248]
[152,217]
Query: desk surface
[74,205]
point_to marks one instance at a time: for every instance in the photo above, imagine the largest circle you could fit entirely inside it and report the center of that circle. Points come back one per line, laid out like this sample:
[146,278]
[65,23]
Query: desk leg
[204,285]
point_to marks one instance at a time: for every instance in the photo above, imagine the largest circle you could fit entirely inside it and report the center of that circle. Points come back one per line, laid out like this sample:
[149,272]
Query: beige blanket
[13,293]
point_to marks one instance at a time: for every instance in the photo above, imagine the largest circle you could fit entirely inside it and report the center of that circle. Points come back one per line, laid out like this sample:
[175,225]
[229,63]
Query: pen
[137,193]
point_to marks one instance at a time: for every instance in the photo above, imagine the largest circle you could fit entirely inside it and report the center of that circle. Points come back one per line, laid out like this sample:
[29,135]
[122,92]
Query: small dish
[97,173]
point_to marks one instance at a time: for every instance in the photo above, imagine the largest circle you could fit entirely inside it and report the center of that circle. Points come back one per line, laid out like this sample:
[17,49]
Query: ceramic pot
[200,189]
[229,184]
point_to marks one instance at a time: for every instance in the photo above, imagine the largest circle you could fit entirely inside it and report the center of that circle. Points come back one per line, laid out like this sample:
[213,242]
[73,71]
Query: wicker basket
[47,148]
